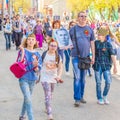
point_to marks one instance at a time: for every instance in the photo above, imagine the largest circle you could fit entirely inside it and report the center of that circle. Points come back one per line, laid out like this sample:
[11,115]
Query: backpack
[57,57]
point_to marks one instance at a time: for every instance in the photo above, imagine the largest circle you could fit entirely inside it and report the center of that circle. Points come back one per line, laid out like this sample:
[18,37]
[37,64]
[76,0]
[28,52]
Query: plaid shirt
[103,52]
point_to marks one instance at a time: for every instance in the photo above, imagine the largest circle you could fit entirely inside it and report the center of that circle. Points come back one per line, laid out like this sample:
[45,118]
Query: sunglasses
[82,16]
[53,46]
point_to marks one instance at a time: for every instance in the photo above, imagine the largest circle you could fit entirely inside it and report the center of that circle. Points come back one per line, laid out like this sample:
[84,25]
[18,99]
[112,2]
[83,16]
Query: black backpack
[57,57]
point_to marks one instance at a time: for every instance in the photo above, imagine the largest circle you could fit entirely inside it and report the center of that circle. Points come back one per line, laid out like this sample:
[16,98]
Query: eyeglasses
[53,46]
[82,16]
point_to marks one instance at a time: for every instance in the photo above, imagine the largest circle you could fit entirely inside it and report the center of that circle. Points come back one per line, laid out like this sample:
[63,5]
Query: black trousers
[18,38]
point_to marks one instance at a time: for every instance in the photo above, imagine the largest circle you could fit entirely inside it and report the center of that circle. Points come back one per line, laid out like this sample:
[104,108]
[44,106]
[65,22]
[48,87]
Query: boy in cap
[104,57]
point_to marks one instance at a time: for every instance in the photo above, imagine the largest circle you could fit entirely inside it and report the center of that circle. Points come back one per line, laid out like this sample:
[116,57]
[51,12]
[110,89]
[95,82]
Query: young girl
[33,60]
[51,73]
[104,56]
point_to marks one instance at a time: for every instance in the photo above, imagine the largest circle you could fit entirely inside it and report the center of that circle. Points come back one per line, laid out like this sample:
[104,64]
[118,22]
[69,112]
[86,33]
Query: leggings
[48,89]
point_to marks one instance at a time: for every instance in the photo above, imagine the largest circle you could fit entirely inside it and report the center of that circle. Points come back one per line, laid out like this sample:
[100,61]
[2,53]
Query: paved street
[63,108]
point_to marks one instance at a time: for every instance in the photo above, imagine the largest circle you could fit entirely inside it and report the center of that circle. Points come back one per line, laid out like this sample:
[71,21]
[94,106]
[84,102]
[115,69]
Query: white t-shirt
[49,69]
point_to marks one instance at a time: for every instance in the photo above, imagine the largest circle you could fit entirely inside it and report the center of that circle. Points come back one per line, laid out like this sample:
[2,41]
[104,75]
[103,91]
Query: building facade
[58,7]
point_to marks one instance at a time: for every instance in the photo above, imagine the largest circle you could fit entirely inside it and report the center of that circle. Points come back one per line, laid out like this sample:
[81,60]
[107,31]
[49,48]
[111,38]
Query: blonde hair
[24,43]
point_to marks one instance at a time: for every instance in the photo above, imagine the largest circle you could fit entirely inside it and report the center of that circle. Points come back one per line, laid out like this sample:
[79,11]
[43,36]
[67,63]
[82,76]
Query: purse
[19,67]
[84,63]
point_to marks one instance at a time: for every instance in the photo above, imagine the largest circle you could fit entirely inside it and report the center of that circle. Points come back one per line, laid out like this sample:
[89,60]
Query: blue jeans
[67,59]
[61,53]
[98,78]
[8,40]
[89,71]
[27,88]
[79,80]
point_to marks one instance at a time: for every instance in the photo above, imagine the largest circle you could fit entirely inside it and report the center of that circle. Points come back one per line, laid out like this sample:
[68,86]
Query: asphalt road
[63,104]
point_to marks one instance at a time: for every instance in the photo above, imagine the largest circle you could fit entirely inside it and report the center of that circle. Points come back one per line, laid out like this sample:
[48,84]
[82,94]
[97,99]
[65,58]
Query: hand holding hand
[59,80]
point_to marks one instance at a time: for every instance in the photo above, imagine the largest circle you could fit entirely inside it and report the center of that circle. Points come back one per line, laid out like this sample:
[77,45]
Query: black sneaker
[77,104]
[90,75]
[83,101]
[22,118]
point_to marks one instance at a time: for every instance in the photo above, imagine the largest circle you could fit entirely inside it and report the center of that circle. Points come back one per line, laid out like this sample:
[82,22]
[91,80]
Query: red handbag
[19,68]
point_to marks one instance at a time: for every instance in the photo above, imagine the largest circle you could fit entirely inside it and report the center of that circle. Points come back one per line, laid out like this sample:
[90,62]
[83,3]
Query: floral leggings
[48,89]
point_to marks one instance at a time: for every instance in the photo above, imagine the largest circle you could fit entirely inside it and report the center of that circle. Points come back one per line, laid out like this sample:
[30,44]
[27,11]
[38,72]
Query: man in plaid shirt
[104,57]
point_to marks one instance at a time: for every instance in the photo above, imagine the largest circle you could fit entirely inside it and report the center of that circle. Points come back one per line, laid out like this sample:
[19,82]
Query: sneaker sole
[100,103]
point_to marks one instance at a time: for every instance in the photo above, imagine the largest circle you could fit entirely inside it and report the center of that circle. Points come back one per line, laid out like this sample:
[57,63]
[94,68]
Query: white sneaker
[105,100]
[100,102]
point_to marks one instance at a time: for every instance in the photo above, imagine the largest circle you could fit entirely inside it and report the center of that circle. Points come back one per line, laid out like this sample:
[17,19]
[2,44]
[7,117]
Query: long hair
[57,59]
[24,43]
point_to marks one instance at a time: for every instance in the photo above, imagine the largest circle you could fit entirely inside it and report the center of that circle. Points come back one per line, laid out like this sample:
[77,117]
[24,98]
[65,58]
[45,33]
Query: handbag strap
[23,55]
[76,42]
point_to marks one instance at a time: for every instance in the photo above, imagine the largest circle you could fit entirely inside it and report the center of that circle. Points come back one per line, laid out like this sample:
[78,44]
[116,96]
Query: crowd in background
[19,30]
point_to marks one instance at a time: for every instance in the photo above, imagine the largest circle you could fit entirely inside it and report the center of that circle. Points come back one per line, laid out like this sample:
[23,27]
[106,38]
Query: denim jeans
[67,59]
[27,88]
[89,71]
[8,40]
[98,78]
[61,53]
[79,80]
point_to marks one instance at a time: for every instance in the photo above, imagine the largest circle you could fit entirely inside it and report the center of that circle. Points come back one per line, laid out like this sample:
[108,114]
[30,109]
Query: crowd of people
[97,40]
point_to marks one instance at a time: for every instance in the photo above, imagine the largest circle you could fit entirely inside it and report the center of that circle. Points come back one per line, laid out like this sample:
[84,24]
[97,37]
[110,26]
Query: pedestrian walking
[104,56]
[67,51]
[17,26]
[38,31]
[7,33]
[33,60]
[50,74]
[82,37]
[0,23]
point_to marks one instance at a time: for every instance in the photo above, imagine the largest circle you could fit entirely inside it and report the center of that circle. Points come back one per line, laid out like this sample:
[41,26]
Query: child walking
[50,74]
[33,59]
[104,57]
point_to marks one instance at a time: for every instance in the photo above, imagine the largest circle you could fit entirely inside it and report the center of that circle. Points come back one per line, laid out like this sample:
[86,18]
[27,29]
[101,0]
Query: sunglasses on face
[53,46]
[82,16]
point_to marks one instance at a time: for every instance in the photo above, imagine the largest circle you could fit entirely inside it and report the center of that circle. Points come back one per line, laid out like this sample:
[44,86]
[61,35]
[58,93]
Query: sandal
[50,117]
[22,118]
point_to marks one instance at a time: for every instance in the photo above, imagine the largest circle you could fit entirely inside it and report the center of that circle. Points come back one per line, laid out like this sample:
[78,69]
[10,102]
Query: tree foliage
[106,8]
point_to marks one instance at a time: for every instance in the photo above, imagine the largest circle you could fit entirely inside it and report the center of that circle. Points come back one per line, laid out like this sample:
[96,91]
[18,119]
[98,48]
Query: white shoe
[100,102]
[105,100]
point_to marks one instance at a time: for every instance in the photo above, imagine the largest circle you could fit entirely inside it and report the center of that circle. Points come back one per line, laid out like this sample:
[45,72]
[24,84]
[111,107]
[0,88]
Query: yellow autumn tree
[111,6]
[24,5]
[79,5]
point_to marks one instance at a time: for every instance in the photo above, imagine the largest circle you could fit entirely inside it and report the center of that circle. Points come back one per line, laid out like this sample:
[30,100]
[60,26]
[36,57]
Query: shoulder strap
[76,41]
[43,55]
[57,57]
[22,52]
